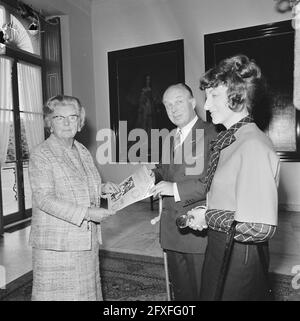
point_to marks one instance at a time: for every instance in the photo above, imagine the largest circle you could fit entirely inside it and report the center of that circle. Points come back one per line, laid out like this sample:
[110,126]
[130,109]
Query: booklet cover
[133,189]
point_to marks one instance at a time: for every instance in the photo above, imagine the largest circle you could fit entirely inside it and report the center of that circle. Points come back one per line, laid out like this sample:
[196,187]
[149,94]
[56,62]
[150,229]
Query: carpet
[124,277]
[129,277]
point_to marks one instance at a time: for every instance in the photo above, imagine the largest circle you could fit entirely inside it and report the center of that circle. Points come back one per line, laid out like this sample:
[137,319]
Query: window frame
[50,62]
[19,56]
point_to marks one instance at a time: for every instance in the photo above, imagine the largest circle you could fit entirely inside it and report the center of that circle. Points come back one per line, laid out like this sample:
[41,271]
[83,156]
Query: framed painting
[271,46]
[138,78]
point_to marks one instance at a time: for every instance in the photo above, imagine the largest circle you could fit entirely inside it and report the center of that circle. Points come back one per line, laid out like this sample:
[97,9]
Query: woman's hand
[197,220]
[98,214]
[110,188]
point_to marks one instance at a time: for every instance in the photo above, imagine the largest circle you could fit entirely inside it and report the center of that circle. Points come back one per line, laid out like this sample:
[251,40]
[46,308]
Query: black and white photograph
[137,80]
[203,97]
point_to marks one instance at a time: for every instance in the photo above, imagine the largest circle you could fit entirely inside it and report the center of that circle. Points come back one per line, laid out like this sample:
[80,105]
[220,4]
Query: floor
[130,231]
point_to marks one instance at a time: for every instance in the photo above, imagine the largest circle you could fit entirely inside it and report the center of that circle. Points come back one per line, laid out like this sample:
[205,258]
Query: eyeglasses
[71,118]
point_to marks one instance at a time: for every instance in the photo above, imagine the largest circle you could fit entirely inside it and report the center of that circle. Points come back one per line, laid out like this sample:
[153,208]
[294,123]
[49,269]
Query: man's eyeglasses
[71,118]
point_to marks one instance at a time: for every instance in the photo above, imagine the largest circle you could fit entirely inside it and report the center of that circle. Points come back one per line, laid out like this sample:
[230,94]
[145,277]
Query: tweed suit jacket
[192,193]
[61,195]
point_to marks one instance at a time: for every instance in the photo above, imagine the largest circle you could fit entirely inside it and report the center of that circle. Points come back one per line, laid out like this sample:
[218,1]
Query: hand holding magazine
[133,189]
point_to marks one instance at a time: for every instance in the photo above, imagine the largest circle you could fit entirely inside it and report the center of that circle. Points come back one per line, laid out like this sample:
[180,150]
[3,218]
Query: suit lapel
[191,151]
[64,158]
[91,173]
[189,145]
[86,161]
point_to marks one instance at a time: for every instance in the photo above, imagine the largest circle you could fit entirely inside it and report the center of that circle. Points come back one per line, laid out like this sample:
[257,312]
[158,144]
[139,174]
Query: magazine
[133,189]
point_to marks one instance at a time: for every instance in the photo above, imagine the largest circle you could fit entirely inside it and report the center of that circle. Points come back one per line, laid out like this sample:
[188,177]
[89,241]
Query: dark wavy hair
[246,86]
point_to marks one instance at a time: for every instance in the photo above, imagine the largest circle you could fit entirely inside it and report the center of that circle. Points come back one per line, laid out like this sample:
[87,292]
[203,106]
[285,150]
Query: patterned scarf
[224,139]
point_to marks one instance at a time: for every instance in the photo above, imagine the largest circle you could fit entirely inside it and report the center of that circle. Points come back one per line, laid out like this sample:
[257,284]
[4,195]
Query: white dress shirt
[184,133]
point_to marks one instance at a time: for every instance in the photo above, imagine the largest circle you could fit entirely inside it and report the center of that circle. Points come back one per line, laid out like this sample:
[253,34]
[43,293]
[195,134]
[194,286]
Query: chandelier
[283,6]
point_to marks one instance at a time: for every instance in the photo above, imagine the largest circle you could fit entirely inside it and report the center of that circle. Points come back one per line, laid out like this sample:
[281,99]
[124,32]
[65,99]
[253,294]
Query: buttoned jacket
[61,195]
[191,188]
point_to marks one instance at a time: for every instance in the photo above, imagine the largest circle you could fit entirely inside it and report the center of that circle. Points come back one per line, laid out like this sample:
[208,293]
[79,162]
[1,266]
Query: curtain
[31,103]
[52,57]
[296,24]
[5,103]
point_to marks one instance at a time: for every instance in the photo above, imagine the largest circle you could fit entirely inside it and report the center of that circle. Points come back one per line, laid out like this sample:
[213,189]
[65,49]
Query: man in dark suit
[183,188]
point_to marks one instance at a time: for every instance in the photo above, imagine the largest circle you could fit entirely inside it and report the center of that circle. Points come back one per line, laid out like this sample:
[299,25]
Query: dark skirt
[245,280]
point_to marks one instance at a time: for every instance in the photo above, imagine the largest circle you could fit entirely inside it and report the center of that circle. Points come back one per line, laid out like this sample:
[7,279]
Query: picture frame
[138,78]
[271,46]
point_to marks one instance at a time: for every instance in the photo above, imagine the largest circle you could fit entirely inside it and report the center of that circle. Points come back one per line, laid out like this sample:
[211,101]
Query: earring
[51,130]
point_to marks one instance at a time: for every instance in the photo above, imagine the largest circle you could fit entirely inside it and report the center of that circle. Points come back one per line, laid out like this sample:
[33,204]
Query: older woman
[241,183]
[65,213]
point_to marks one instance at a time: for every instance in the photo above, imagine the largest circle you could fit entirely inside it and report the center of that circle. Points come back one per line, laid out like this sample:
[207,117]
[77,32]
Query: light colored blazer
[246,178]
[60,196]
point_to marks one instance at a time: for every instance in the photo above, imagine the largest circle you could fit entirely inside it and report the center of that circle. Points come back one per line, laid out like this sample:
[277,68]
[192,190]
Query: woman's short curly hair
[62,100]
[243,79]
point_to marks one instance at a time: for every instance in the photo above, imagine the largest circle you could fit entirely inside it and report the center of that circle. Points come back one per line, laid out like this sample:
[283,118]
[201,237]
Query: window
[18,34]
[27,70]
[2,12]
[22,128]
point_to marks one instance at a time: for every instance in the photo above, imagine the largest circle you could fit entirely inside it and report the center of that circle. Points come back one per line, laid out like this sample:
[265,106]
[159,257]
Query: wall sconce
[33,28]
[283,6]
[6,32]
[30,14]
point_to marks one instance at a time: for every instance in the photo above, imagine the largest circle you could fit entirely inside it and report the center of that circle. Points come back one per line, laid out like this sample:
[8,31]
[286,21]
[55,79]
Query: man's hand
[197,220]
[109,188]
[163,188]
[152,175]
